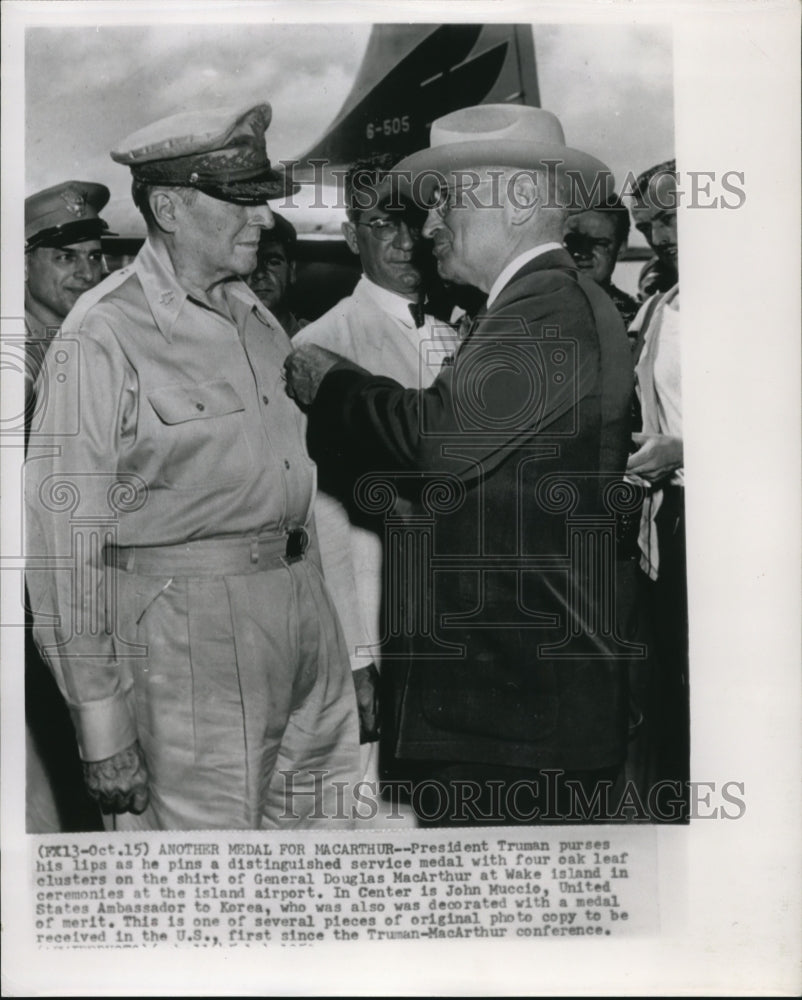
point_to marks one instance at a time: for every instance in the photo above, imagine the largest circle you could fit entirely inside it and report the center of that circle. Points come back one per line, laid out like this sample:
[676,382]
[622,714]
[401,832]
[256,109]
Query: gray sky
[86,88]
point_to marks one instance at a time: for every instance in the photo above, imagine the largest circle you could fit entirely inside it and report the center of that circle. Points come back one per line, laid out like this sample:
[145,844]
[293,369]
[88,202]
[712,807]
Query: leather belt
[211,556]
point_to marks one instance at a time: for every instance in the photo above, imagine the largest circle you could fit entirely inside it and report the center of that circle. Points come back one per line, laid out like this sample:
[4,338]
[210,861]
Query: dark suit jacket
[528,427]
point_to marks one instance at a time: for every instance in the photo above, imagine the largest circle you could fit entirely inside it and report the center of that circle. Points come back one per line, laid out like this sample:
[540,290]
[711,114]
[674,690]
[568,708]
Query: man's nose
[261,215]
[433,222]
[83,269]
[403,239]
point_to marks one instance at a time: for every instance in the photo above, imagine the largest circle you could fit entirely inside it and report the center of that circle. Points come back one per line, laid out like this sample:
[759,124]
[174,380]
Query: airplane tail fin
[413,74]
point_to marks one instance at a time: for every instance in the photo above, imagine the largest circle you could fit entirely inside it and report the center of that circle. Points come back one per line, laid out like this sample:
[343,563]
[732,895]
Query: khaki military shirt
[168,423]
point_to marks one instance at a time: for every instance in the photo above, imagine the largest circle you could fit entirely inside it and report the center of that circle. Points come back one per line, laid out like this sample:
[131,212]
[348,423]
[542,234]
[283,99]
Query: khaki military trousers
[242,693]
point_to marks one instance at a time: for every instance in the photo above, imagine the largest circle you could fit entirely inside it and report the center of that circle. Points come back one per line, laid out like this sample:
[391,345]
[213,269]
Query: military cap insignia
[75,201]
[65,213]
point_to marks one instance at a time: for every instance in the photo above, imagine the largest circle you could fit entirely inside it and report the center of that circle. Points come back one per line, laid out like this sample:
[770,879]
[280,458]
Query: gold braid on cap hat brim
[243,176]
[251,193]
[255,192]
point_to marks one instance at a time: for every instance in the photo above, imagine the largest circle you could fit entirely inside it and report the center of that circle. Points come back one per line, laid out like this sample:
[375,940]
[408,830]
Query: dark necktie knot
[418,313]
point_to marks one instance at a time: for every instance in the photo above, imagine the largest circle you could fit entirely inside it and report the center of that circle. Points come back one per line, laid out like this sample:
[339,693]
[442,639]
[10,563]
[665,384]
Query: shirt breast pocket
[201,435]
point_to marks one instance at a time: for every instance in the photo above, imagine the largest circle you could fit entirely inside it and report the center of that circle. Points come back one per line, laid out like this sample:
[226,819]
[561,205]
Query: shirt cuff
[103,727]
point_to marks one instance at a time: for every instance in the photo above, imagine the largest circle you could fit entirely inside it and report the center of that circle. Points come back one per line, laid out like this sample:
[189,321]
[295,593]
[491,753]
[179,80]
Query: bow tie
[418,313]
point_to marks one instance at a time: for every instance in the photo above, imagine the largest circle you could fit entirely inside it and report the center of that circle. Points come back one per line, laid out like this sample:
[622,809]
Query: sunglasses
[579,245]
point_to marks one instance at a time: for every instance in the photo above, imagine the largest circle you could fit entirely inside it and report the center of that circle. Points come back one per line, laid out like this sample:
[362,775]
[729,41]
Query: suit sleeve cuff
[103,727]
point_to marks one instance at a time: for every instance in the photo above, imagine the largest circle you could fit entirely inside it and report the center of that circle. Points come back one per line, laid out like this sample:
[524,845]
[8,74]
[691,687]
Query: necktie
[418,313]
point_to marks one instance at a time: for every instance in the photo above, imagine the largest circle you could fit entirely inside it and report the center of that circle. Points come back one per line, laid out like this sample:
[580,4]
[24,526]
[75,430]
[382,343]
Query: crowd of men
[417,564]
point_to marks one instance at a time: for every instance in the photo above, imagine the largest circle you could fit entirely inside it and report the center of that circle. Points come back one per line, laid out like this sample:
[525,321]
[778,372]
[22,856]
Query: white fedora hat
[502,135]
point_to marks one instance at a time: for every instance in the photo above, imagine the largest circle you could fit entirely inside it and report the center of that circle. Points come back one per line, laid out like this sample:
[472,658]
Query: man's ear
[523,197]
[163,205]
[621,249]
[349,232]
[291,272]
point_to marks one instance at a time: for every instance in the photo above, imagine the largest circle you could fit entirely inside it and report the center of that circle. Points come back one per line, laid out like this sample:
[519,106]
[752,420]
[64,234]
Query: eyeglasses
[387,229]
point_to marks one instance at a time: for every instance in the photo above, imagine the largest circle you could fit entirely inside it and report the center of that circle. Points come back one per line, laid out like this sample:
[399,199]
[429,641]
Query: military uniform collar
[240,297]
[166,297]
[39,324]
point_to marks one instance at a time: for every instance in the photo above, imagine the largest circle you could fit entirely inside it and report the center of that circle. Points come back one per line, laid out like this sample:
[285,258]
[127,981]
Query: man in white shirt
[658,465]
[382,327]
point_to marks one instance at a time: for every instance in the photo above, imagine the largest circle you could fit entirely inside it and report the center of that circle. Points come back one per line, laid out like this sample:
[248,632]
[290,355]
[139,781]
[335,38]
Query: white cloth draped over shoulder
[659,386]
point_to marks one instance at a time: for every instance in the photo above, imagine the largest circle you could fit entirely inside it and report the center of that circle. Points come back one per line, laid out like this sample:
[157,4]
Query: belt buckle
[297,543]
